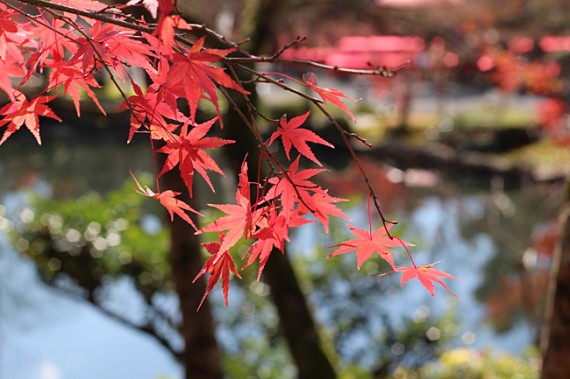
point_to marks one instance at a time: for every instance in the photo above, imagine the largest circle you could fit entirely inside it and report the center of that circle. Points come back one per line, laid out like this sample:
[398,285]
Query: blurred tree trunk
[296,321]
[201,358]
[403,93]
[556,338]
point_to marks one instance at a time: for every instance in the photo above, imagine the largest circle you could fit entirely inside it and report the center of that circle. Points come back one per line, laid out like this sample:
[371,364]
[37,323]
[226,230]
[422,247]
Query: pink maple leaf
[322,206]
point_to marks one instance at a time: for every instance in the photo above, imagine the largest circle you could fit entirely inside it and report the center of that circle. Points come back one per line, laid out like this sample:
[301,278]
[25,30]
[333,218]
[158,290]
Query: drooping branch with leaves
[72,42]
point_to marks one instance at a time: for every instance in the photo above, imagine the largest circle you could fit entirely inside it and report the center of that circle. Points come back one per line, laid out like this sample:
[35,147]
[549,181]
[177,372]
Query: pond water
[485,236]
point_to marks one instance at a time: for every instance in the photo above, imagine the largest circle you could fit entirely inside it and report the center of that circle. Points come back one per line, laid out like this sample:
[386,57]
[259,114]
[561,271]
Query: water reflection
[48,335]
[488,238]
[485,236]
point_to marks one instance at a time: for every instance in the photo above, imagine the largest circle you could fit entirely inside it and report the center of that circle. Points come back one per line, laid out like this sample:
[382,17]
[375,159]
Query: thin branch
[287,46]
[247,58]
[264,151]
[378,71]
[354,156]
[279,84]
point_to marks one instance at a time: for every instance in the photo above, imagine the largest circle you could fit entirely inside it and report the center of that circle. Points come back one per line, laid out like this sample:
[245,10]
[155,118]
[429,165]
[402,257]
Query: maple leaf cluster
[71,41]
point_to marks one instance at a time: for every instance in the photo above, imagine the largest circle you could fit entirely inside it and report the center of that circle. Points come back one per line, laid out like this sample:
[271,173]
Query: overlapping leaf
[294,188]
[239,220]
[292,135]
[195,76]
[148,111]
[219,265]
[187,150]
[272,234]
[113,46]
[322,206]
[73,81]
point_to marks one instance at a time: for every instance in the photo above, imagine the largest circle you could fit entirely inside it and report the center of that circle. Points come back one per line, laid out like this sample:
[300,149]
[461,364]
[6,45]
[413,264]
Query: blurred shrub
[83,243]
[472,364]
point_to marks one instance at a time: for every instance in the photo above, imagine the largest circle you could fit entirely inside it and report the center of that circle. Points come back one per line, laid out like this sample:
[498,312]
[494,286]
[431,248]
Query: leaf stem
[407,251]
[369,217]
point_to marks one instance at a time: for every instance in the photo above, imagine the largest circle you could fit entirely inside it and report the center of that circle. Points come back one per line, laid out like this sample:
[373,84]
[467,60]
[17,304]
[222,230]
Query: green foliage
[93,239]
[471,364]
[260,361]
[543,156]
[494,117]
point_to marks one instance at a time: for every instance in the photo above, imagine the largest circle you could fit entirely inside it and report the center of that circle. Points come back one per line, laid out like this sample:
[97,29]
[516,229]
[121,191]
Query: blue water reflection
[47,335]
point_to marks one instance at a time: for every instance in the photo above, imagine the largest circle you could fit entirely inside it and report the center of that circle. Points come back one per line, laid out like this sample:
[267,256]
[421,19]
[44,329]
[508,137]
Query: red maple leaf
[149,110]
[239,219]
[72,79]
[321,205]
[166,29]
[10,68]
[169,201]
[426,275]
[188,150]
[272,233]
[195,76]
[292,135]
[117,47]
[329,94]
[22,111]
[7,25]
[295,188]
[220,264]
[365,244]
[173,205]
[50,42]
